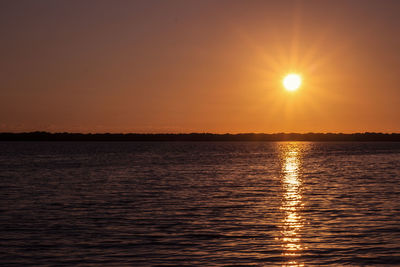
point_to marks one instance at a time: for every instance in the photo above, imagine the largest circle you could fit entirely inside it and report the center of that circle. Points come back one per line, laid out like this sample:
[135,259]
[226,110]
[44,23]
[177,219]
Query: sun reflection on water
[292,222]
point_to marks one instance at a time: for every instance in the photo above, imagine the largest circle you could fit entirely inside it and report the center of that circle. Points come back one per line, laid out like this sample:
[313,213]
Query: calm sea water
[140,204]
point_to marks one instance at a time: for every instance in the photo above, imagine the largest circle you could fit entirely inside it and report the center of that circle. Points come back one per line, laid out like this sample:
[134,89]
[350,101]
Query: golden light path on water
[292,222]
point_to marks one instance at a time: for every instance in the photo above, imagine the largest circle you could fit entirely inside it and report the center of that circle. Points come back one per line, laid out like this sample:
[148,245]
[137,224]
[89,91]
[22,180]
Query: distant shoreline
[199,137]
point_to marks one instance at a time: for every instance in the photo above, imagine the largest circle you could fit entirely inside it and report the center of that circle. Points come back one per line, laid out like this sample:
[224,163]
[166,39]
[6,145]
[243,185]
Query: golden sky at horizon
[199,66]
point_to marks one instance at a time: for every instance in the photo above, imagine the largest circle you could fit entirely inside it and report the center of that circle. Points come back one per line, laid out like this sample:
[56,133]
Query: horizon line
[47,136]
[188,133]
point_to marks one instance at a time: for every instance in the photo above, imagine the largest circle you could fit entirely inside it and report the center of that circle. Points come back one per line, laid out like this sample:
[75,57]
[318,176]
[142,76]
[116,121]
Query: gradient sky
[199,66]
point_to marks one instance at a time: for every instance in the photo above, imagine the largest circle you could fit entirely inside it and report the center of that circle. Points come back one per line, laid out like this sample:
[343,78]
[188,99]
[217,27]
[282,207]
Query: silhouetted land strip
[46,136]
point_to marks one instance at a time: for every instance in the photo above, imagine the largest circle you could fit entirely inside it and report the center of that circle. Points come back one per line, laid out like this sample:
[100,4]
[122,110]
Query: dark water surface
[138,204]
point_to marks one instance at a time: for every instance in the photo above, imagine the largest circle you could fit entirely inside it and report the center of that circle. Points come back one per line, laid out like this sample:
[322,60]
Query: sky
[199,66]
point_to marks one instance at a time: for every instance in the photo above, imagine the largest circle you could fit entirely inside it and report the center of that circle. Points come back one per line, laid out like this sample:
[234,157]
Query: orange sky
[199,66]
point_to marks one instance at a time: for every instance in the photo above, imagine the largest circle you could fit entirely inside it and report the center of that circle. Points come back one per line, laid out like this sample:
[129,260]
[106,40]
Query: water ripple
[141,204]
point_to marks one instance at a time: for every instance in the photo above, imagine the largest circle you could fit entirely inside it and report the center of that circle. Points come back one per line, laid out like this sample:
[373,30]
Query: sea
[199,203]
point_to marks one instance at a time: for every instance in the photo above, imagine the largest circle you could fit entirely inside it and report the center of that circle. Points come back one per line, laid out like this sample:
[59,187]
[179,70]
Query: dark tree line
[46,136]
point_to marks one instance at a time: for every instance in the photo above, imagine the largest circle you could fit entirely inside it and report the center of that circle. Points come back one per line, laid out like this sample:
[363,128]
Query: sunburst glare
[292,82]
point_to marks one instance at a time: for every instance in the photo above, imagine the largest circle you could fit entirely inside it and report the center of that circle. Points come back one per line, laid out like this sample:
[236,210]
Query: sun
[292,82]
